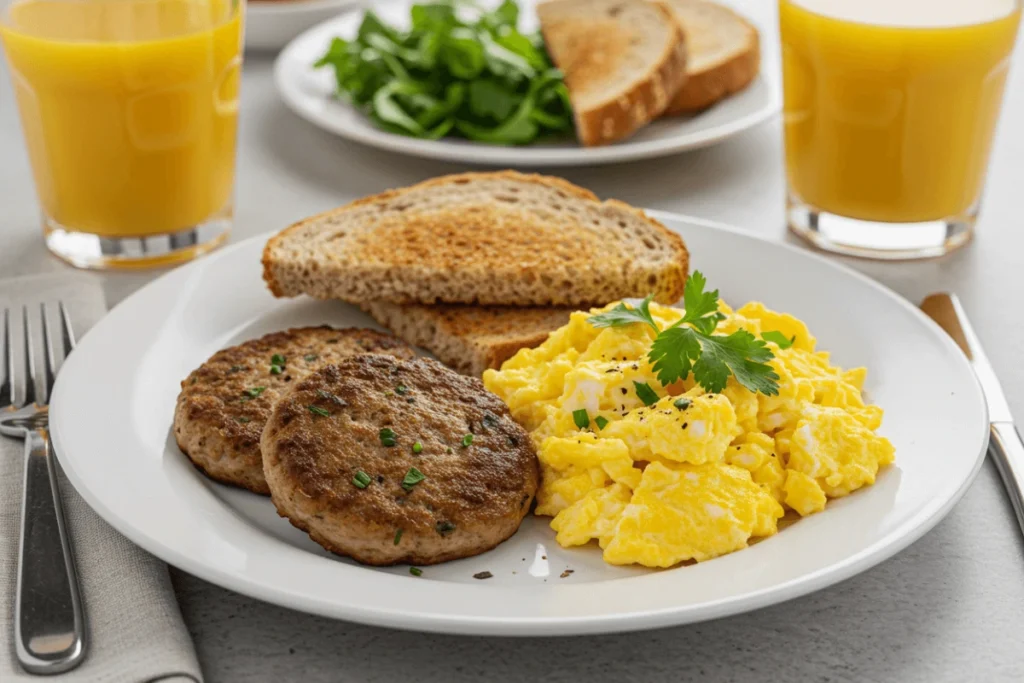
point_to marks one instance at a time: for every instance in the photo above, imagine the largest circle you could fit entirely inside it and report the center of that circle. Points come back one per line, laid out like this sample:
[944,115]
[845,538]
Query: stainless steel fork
[49,622]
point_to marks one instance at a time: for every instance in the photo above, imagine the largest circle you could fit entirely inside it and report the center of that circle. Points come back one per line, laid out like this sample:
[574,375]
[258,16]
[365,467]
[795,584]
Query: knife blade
[1005,444]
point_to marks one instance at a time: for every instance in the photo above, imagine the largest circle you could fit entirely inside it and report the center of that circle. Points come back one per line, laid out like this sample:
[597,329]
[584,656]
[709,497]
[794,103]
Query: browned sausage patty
[224,404]
[395,461]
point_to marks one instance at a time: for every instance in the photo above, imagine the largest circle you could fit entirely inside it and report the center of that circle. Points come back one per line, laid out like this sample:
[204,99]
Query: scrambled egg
[693,475]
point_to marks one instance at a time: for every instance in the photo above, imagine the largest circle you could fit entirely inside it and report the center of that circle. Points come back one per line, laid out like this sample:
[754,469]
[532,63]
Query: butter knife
[1005,445]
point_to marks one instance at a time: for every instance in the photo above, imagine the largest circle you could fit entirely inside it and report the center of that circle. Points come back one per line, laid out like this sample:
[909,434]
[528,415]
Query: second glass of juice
[890,110]
[129,110]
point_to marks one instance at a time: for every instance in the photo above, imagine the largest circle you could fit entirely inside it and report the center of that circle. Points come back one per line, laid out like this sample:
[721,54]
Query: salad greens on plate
[458,70]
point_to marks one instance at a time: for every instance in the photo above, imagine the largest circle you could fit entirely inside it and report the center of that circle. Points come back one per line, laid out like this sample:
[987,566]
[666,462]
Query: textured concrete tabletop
[949,608]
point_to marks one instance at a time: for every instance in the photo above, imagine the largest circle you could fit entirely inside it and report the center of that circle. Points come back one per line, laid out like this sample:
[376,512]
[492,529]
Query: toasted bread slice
[623,62]
[479,238]
[469,339]
[723,50]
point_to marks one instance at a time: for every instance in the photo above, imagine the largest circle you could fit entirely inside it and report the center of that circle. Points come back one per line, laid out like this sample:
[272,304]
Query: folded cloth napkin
[135,630]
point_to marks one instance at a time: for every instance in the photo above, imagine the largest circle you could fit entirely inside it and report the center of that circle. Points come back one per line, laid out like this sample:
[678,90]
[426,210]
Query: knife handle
[1008,451]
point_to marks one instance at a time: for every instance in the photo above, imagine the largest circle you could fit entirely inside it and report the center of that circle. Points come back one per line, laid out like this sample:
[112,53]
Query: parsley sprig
[690,345]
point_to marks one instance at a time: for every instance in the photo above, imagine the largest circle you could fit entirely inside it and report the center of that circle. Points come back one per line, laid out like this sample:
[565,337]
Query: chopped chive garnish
[415,571]
[645,393]
[310,357]
[600,422]
[417,447]
[276,369]
[253,392]
[467,440]
[682,403]
[402,389]
[398,536]
[445,528]
[317,410]
[361,480]
[412,477]
[277,359]
[387,437]
[581,418]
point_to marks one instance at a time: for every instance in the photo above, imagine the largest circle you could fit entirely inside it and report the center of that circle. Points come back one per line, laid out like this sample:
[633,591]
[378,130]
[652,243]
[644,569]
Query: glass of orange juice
[890,110]
[129,110]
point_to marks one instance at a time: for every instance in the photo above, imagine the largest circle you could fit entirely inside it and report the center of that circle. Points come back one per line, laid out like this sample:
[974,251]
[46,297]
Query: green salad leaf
[459,69]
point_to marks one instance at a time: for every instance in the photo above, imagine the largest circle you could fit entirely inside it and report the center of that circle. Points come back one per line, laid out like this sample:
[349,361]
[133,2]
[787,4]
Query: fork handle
[1007,450]
[48,617]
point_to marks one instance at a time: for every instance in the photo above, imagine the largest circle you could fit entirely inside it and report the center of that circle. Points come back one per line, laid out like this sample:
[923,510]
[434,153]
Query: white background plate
[270,24]
[308,92]
[112,411]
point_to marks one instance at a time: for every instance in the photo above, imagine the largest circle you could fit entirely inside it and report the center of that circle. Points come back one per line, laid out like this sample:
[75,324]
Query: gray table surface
[949,608]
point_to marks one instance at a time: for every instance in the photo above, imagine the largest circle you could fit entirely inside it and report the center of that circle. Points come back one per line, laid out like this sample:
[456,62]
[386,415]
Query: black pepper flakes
[483,575]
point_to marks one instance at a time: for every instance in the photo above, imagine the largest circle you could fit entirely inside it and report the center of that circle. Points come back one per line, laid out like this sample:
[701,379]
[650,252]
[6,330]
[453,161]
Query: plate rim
[622,622]
[497,155]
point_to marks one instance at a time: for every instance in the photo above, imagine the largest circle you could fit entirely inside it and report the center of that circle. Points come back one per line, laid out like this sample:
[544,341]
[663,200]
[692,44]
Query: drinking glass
[129,110]
[890,109]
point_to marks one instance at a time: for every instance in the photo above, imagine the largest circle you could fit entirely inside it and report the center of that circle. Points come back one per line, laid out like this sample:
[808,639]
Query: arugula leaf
[489,98]
[781,340]
[458,69]
[622,315]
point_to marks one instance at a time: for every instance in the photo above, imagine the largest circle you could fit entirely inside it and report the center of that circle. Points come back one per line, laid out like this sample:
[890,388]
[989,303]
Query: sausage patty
[224,404]
[395,461]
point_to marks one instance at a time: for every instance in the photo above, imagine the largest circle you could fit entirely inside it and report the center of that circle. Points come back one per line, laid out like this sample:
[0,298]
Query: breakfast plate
[309,93]
[270,24]
[121,456]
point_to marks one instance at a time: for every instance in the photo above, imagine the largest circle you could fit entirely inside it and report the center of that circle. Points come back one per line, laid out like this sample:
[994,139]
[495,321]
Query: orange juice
[891,105]
[129,109]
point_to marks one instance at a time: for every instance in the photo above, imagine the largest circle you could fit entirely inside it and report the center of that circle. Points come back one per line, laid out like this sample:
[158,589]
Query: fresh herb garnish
[276,369]
[253,392]
[601,422]
[243,420]
[780,339]
[415,571]
[398,536]
[361,480]
[317,410]
[417,447]
[581,418]
[467,440]
[412,477]
[457,70]
[681,403]
[645,393]
[445,528]
[310,357]
[277,359]
[401,390]
[690,344]
[387,437]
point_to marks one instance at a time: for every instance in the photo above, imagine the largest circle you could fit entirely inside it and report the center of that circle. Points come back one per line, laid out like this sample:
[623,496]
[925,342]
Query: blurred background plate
[309,93]
[270,24]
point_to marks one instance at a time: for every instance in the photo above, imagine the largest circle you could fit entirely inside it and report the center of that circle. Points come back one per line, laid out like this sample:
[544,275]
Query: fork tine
[49,357]
[30,361]
[67,331]
[7,368]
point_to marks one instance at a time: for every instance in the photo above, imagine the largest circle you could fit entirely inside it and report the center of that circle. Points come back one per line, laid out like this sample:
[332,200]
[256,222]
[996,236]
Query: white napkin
[135,630]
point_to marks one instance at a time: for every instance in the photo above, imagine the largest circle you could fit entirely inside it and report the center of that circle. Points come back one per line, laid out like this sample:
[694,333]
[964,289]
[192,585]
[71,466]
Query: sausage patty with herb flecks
[224,404]
[395,461]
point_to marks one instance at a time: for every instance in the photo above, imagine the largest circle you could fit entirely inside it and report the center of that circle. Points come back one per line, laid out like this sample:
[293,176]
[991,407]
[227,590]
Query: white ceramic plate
[112,413]
[270,24]
[309,93]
